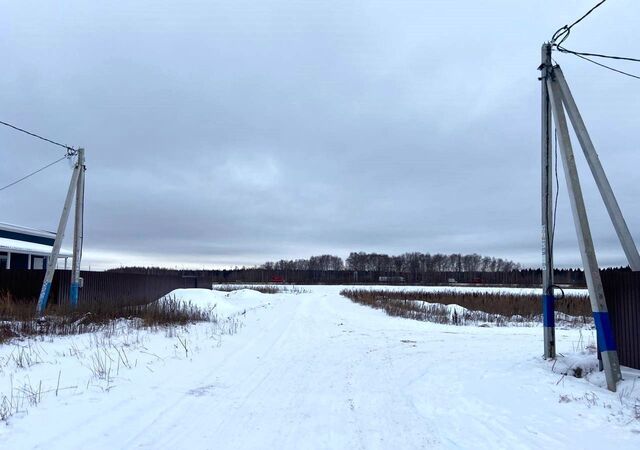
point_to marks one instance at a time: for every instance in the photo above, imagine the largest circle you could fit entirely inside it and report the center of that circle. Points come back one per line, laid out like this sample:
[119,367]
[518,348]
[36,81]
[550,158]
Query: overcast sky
[222,133]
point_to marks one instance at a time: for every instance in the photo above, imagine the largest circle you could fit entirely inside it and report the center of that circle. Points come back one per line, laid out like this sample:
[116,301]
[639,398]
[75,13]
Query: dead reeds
[19,319]
[500,308]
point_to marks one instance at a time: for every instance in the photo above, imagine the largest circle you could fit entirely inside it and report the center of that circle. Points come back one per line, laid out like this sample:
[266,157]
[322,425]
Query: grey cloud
[231,132]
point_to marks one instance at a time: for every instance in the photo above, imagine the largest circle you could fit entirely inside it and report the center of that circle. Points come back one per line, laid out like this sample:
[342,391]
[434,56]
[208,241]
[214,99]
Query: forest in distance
[412,262]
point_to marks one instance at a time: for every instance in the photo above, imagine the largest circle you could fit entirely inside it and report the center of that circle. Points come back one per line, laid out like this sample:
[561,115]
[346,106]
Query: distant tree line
[321,262]
[412,272]
[414,262]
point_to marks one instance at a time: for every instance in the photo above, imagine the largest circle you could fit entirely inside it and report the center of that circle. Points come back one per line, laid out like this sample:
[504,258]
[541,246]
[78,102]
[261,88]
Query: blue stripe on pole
[74,294]
[606,339]
[44,297]
[25,237]
[548,316]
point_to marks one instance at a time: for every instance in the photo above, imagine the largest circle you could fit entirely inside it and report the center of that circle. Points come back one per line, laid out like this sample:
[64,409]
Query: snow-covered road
[316,371]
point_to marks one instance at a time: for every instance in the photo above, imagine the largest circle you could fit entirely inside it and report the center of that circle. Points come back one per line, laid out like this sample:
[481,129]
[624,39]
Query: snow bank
[453,308]
[222,304]
[579,364]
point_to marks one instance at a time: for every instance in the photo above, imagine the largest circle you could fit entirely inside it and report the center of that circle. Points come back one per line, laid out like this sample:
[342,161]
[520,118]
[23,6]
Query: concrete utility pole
[609,199]
[76,281]
[548,299]
[606,339]
[76,187]
[55,251]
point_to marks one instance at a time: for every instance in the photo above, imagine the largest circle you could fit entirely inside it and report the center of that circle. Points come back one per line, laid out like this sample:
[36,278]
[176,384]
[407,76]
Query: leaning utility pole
[606,340]
[606,192]
[76,187]
[556,98]
[548,310]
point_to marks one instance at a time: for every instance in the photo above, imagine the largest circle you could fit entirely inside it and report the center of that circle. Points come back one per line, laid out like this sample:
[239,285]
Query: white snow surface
[312,370]
[222,304]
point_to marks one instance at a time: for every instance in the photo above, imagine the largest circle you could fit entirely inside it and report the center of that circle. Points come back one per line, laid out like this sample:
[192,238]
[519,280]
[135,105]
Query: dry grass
[500,308]
[19,319]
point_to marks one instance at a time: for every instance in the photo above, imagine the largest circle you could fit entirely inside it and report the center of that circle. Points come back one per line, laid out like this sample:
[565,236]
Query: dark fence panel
[622,292]
[133,287]
[124,288]
[525,278]
[21,284]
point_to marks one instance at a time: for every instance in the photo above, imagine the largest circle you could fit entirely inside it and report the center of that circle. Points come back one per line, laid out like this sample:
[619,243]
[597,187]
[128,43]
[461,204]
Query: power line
[595,55]
[605,66]
[70,150]
[33,173]
[563,32]
[586,14]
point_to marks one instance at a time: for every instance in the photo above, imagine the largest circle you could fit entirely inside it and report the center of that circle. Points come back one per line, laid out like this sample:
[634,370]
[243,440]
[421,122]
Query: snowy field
[310,370]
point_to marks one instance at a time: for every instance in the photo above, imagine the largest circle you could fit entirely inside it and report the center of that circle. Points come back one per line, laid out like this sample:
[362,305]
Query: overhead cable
[33,173]
[70,150]
[562,34]
[606,67]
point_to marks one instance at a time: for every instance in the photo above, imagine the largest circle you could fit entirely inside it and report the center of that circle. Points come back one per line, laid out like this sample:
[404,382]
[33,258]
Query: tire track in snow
[242,373]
